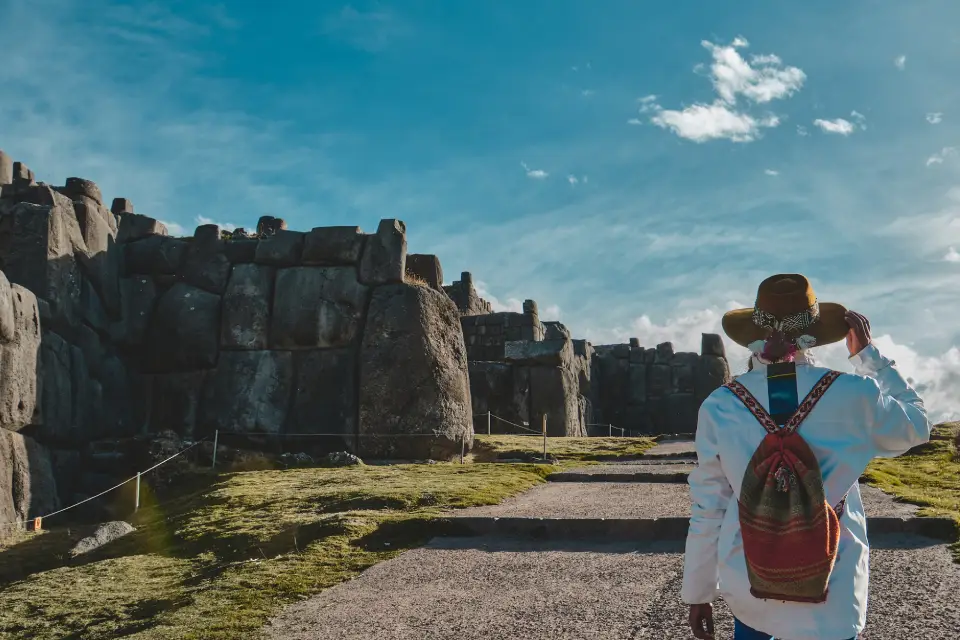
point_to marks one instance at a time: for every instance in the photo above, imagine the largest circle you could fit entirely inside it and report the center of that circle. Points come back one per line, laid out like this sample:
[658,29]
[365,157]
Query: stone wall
[654,390]
[279,332]
[464,294]
[486,334]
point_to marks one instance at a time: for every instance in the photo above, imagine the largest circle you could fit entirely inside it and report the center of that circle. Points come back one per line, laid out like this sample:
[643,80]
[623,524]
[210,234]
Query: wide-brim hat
[787,302]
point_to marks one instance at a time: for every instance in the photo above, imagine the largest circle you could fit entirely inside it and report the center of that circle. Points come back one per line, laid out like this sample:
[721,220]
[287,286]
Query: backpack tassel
[783,477]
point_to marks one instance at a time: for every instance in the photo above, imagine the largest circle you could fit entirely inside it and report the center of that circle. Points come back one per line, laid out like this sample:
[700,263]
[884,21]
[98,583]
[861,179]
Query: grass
[928,476]
[565,450]
[220,561]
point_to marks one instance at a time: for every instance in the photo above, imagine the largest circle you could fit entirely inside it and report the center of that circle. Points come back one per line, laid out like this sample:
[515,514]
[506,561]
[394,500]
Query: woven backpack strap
[767,421]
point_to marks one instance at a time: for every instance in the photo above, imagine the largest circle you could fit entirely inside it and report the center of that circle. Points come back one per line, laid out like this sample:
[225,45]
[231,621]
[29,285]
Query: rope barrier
[102,493]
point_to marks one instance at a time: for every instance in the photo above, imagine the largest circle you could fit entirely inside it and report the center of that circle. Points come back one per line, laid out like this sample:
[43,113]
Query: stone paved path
[588,587]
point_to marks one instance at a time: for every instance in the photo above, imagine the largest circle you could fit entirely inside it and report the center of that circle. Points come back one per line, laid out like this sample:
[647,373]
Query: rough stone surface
[19,359]
[27,485]
[101,260]
[316,307]
[504,391]
[6,169]
[711,344]
[56,390]
[556,331]
[282,249]
[8,325]
[268,226]
[105,534]
[427,268]
[241,250]
[332,246]
[121,205]
[246,307]
[37,251]
[554,393]
[546,352]
[139,297]
[385,254]
[413,376]
[249,391]
[154,254]
[325,396]
[183,334]
[205,265]
[174,402]
[134,226]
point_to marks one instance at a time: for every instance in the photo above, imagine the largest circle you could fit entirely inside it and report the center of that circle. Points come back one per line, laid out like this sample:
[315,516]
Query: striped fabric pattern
[790,533]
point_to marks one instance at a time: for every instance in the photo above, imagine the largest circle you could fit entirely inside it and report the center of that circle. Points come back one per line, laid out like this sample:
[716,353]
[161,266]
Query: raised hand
[859,335]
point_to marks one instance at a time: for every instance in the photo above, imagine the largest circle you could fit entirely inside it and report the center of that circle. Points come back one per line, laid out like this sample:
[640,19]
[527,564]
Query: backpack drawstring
[783,474]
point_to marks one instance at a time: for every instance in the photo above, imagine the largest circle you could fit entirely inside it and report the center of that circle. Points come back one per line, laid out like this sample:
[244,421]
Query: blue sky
[635,167]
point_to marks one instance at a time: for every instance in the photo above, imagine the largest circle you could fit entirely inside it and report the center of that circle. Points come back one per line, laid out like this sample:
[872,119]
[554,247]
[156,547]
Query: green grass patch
[494,447]
[218,562]
[928,476]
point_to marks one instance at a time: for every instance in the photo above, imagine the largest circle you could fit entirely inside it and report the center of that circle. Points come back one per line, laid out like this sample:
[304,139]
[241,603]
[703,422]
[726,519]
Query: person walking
[777,526]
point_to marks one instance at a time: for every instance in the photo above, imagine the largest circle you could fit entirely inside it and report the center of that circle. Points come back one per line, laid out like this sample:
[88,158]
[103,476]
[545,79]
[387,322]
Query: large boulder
[555,393]
[38,253]
[316,307]
[174,402]
[325,397]
[414,386]
[557,353]
[184,332]
[249,391]
[504,391]
[19,355]
[56,391]
[280,249]
[101,259]
[205,265]
[134,226]
[427,268]
[138,297]
[333,246]
[246,307]
[27,485]
[385,254]
[6,169]
[711,372]
[155,254]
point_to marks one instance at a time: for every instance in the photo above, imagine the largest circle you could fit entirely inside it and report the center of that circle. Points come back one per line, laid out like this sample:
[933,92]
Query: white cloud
[860,118]
[536,174]
[941,155]
[759,81]
[801,130]
[840,126]
[635,121]
[934,118]
[952,255]
[771,172]
[572,179]
[175,229]
[547,312]
[702,122]
[762,82]
[586,93]
[900,62]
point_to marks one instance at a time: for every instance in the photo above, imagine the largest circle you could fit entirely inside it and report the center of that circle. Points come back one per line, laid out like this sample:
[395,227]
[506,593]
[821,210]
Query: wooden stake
[216,438]
[488,423]
[544,437]
[136,505]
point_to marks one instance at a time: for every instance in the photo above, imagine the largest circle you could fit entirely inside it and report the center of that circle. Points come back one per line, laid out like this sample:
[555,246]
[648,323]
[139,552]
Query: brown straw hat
[787,302]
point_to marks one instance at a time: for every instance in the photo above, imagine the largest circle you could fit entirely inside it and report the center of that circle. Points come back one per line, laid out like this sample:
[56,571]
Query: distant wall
[654,390]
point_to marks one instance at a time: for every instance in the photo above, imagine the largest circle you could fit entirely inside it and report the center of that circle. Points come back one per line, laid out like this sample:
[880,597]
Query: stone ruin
[522,368]
[112,331]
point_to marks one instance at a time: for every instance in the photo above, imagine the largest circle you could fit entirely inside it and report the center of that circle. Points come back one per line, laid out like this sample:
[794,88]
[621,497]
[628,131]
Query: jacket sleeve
[710,493]
[897,419]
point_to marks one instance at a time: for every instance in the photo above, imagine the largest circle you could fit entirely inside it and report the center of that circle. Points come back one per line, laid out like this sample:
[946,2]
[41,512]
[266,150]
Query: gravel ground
[630,469]
[500,589]
[675,448]
[632,500]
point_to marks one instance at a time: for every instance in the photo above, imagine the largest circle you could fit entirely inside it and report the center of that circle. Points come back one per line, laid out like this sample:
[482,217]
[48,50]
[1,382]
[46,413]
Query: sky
[636,168]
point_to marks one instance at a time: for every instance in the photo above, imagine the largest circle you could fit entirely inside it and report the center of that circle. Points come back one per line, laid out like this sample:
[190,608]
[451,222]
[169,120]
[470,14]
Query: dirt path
[500,589]
[590,586]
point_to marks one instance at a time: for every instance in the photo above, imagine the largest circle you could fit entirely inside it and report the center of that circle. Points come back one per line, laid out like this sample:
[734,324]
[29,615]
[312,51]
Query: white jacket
[873,413]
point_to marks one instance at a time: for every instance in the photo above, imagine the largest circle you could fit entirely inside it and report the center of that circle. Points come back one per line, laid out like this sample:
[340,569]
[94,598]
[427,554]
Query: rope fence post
[136,504]
[488,423]
[463,446]
[216,438]
[609,430]
[544,436]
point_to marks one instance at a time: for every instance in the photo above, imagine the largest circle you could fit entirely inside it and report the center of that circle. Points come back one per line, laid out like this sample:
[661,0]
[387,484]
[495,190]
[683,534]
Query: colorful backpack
[790,532]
